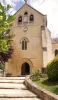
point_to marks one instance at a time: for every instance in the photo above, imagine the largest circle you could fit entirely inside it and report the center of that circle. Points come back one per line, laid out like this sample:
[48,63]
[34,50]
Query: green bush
[36,74]
[52,69]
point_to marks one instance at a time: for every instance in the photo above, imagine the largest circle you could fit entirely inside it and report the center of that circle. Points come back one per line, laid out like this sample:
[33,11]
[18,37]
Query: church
[32,42]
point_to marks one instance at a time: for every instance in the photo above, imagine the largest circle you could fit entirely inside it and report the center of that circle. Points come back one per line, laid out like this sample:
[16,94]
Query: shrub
[52,69]
[36,74]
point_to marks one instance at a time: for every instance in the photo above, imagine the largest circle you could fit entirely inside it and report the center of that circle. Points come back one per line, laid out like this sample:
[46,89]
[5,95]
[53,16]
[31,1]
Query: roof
[32,8]
[54,41]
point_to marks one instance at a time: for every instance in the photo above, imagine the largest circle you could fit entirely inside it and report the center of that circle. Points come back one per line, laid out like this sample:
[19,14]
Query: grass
[47,84]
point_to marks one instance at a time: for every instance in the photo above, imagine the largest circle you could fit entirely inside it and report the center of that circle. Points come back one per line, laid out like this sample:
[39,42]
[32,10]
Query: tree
[6,48]
[5,19]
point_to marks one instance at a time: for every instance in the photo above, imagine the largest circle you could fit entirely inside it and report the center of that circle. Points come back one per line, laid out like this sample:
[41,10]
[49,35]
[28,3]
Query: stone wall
[42,93]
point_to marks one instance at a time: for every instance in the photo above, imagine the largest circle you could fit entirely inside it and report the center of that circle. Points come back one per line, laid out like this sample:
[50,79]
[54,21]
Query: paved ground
[12,88]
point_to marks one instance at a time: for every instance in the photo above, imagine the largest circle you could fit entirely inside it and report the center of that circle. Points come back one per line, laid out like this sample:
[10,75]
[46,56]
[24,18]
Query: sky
[48,7]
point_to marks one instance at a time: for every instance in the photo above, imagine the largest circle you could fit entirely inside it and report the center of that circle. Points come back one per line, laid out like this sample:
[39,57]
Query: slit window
[26,17]
[20,20]
[31,18]
[24,45]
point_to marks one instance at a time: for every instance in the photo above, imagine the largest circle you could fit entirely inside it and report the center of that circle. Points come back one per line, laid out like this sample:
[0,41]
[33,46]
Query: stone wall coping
[41,92]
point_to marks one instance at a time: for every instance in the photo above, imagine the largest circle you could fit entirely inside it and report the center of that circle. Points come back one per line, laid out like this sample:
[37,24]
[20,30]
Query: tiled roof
[54,41]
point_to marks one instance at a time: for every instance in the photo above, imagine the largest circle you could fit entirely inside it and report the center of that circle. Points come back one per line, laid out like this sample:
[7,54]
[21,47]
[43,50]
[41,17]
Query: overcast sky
[49,7]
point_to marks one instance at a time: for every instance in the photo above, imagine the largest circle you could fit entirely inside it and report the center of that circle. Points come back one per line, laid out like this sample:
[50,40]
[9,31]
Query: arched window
[31,18]
[24,42]
[26,17]
[26,13]
[20,20]
[56,52]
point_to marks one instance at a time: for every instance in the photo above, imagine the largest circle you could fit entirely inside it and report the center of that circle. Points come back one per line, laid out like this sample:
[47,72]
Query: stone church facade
[32,43]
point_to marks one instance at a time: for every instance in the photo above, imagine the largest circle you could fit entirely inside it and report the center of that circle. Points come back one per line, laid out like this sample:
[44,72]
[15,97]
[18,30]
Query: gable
[38,17]
[30,7]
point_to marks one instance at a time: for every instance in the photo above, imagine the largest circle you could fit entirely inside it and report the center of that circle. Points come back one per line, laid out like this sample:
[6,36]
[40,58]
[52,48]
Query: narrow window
[31,18]
[20,20]
[26,17]
[24,45]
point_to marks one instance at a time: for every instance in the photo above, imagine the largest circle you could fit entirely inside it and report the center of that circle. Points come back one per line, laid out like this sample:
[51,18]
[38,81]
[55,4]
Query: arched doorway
[25,69]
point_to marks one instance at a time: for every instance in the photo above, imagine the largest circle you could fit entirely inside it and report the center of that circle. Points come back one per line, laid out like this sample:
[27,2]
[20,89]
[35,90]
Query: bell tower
[25,1]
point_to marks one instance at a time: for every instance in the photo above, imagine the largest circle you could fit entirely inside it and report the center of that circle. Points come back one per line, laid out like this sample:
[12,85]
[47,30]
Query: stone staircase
[12,88]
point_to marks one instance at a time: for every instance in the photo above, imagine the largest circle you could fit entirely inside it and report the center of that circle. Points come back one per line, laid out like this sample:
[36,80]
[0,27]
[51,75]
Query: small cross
[25,1]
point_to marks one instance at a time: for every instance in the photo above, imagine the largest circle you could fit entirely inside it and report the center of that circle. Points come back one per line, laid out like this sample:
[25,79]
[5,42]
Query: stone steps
[12,88]
[19,99]
[16,93]
[11,81]
[12,78]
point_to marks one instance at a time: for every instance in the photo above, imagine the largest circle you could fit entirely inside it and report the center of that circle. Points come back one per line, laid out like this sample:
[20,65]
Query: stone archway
[25,69]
